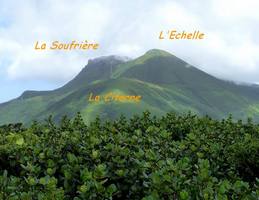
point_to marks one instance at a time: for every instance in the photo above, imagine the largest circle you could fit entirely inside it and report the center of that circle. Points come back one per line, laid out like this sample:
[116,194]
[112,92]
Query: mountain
[165,82]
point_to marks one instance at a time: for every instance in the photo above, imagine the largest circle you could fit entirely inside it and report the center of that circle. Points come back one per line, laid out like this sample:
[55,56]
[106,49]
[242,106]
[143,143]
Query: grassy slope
[24,110]
[165,82]
[78,100]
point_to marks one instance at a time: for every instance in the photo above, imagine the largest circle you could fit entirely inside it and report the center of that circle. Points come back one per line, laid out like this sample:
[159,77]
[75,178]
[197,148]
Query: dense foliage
[173,157]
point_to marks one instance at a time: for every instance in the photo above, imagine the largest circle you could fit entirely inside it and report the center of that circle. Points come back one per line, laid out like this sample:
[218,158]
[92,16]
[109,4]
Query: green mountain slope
[165,82]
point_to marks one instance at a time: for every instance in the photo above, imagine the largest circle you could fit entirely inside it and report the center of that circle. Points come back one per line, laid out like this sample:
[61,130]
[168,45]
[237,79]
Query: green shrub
[174,157]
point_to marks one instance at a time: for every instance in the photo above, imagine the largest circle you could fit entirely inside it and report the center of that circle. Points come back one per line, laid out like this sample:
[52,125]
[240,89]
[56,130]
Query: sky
[229,51]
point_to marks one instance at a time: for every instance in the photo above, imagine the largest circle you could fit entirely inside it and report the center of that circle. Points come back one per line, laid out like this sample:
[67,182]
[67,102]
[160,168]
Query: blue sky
[127,28]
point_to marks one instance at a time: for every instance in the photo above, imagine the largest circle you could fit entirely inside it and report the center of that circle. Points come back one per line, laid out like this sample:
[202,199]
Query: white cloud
[236,9]
[174,15]
[126,49]
[130,28]
[45,65]
[61,21]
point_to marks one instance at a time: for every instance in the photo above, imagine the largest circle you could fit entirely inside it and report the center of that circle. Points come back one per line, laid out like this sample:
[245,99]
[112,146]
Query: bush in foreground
[174,157]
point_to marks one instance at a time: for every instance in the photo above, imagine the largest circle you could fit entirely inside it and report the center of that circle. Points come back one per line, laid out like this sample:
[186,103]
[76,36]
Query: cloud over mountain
[128,28]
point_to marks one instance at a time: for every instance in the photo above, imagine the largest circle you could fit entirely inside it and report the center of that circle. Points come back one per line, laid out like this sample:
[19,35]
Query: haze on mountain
[165,82]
